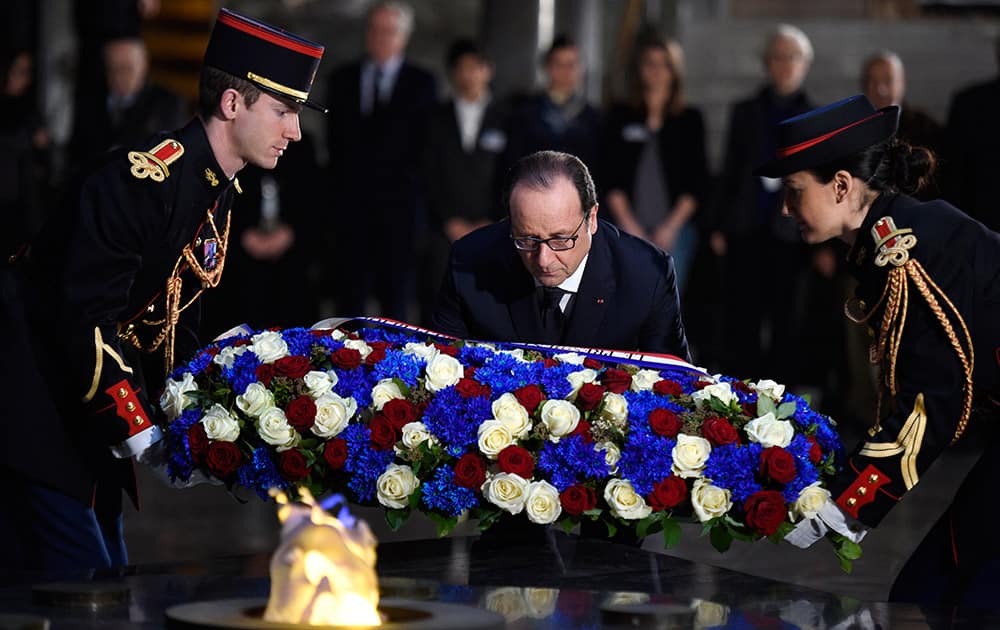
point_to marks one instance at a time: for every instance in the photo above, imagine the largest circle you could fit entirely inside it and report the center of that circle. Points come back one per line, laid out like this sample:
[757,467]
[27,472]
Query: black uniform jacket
[627,298]
[962,258]
[99,271]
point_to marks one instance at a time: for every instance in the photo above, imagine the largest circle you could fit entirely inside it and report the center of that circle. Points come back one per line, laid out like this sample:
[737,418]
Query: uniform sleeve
[448,318]
[115,225]
[921,422]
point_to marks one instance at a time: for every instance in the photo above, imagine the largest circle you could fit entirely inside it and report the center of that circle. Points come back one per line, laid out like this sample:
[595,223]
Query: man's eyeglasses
[555,243]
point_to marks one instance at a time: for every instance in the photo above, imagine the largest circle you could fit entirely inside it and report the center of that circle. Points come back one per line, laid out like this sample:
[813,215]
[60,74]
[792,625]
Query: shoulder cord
[885,350]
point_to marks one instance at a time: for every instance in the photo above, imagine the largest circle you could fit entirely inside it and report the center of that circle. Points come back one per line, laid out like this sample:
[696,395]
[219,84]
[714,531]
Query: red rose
[469,388]
[197,442]
[577,499]
[422,407]
[765,511]
[265,372]
[451,351]
[292,367]
[335,453]
[301,413]
[718,431]
[749,409]
[702,384]
[346,358]
[664,422]
[383,435]
[241,342]
[582,429]
[668,493]
[592,364]
[815,451]
[617,381]
[529,396]
[399,412]
[667,388]
[589,396]
[379,345]
[470,372]
[740,386]
[550,362]
[516,460]
[778,464]
[292,465]
[470,471]
[374,356]
[223,458]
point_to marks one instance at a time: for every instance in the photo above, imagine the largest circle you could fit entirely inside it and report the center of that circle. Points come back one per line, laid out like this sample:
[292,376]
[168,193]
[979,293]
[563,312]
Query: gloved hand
[155,457]
[809,530]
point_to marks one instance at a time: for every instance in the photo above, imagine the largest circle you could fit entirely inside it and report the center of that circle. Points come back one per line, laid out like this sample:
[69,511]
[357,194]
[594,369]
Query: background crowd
[359,220]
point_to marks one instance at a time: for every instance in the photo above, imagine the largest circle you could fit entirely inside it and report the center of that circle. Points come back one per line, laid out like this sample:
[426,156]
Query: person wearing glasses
[552,272]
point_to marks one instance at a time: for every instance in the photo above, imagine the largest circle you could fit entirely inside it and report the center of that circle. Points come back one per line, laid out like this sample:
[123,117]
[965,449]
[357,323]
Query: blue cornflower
[503,373]
[395,337]
[646,460]
[179,463]
[396,364]
[805,472]
[473,355]
[363,462]
[554,379]
[455,420]
[243,372]
[570,461]
[260,473]
[441,494]
[356,383]
[734,468]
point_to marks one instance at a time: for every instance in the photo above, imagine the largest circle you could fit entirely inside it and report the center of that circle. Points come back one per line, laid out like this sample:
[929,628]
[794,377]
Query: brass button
[130,406]
[872,478]
[852,502]
[138,421]
[862,491]
[197,242]
[151,308]
[122,392]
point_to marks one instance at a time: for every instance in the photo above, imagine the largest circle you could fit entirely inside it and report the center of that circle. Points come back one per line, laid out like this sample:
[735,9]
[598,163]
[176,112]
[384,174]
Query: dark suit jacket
[627,298]
[682,151]
[532,129]
[459,183]
[972,161]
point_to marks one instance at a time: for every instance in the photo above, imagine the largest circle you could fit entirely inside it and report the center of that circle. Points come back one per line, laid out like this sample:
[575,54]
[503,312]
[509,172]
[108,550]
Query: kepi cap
[828,133]
[274,60]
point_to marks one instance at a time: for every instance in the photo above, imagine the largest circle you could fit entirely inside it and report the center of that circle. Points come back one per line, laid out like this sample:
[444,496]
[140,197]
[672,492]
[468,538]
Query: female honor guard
[929,288]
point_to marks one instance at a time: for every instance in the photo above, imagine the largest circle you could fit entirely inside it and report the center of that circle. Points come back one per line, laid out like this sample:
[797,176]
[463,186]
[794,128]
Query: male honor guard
[112,286]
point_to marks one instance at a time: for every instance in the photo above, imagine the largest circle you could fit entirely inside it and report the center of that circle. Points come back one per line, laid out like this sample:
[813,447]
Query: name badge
[635,133]
[493,140]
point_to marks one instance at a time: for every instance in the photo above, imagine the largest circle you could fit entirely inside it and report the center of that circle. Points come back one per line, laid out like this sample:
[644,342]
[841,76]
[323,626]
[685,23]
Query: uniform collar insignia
[211,177]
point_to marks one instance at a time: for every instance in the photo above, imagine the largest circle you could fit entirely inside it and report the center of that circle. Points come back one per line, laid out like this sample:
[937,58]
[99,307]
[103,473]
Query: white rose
[360,346]
[494,436]
[541,602]
[395,486]
[415,434]
[173,399]
[517,353]
[507,601]
[811,499]
[515,417]
[709,614]
[624,501]
[611,455]
[274,429]
[220,424]
[268,346]
[384,391]
[614,408]
[443,371]
[577,379]
[690,455]
[333,414]
[421,350]
[643,380]
[709,501]
[561,418]
[721,391]
[768,431]
[255,400]
[318,383]
[338,334]
[506,491]
[541,503]
[769,388]
[571,358]
[227,356]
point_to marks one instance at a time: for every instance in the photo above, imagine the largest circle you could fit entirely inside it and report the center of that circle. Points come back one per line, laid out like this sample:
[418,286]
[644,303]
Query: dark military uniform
[103,284]
[929,287]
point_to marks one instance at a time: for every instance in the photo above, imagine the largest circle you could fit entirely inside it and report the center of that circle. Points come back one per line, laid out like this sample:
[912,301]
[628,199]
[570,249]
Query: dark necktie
[376,100]
[551,314]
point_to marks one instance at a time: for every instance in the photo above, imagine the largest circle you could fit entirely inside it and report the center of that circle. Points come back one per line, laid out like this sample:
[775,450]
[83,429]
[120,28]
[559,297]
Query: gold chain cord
[172,293]
[896,298]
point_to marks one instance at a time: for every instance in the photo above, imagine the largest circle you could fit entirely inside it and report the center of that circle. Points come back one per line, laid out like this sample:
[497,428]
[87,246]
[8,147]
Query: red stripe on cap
[802,146]
[271,36]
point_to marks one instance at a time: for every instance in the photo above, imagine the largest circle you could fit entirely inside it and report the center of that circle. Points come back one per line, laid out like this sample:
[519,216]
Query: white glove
[808,531]
[155,457]
[830,516]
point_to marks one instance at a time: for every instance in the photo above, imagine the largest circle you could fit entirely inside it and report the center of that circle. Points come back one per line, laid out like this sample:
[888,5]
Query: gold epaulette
[153,163]
[893,246]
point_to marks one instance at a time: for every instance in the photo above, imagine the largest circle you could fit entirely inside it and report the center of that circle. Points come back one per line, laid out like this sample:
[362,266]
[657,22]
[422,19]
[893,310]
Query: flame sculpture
[323,571]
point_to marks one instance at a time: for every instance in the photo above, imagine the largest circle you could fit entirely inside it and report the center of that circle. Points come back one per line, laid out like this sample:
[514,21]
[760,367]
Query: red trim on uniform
[863,490]
[951,533]
[882,490]
[136,418]
[802,146]
[270,36]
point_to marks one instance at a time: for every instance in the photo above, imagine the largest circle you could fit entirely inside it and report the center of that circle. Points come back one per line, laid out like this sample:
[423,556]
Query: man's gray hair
[883,55]
[794,33]
[405,12]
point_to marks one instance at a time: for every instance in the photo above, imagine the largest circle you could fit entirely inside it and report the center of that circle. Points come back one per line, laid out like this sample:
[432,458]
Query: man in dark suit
[972,159]
[465,140]
[378,113]
[554,273]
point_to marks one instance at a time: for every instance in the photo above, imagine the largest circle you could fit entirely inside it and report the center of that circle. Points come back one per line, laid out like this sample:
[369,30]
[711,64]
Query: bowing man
[552,272]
